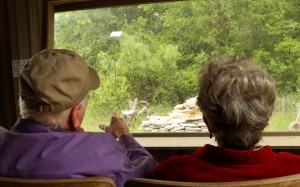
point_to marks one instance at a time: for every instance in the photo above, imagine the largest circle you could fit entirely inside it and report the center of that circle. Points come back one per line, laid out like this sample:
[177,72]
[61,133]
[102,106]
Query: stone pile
[185,117]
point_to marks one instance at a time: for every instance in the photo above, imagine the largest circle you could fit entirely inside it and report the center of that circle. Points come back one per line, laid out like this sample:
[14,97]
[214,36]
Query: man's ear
[76,118]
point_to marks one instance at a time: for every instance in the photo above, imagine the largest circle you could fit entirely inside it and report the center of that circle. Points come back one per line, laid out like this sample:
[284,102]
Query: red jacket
[215,164]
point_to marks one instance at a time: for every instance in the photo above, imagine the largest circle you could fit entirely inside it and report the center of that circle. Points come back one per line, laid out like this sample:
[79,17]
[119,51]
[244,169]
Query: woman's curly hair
[237,97]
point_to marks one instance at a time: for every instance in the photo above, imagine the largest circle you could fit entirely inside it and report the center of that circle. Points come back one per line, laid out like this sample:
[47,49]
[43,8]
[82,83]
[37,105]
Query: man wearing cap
[48,141]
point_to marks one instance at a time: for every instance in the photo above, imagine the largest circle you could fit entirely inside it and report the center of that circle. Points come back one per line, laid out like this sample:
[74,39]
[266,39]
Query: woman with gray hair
[237,99]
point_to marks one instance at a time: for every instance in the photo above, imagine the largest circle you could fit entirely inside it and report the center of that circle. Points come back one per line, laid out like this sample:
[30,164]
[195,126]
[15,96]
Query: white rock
[164,130]
[185,117]
[148,129]
[189,124]
[147,122]
[180,106]
[156,125]
[177,128]
[191,103]
[192,129]
[171,126]
[176,121]
[179,131]
[202,124]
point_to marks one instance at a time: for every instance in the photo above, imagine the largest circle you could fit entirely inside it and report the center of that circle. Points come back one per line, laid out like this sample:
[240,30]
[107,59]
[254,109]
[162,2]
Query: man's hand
[117,126]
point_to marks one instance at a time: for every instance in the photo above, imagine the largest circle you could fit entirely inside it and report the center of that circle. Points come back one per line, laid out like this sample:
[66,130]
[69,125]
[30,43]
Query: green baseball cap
[55,80]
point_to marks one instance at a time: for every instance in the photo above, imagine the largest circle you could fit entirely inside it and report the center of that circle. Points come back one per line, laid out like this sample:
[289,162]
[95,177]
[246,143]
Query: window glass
[148,57]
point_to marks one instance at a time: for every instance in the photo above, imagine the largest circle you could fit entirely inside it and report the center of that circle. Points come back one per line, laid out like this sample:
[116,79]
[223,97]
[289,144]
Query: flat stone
[171,126]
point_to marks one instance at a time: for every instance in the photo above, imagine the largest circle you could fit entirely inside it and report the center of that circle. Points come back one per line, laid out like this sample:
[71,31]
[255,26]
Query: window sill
[277,140]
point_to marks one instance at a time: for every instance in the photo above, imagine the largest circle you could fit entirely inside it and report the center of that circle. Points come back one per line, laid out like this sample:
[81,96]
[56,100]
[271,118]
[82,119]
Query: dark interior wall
[21,37]
[7,98]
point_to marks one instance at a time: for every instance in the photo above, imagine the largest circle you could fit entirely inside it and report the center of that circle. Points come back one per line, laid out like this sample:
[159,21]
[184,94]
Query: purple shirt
[35,150]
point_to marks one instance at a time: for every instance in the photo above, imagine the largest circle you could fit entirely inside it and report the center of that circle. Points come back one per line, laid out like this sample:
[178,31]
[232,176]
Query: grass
[280,121]
[285,113]
[92,118]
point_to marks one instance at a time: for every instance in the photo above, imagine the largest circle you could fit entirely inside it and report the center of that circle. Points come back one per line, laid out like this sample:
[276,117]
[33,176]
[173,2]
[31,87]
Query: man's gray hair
[55,119]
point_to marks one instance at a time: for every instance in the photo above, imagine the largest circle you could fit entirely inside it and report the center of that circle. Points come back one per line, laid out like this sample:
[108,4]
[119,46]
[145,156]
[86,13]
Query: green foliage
[285,67]
[164,45]
[150,70]
[112,94]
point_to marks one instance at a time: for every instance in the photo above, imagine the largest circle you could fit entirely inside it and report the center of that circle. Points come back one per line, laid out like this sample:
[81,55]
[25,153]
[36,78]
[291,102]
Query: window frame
[276,139]
[54,6]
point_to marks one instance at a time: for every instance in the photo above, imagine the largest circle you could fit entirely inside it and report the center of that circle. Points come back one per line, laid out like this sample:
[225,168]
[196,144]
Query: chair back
[286,181]
[72,182]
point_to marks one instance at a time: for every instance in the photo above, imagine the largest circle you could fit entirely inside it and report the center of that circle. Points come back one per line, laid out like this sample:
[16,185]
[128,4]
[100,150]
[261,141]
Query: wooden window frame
[278,140]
